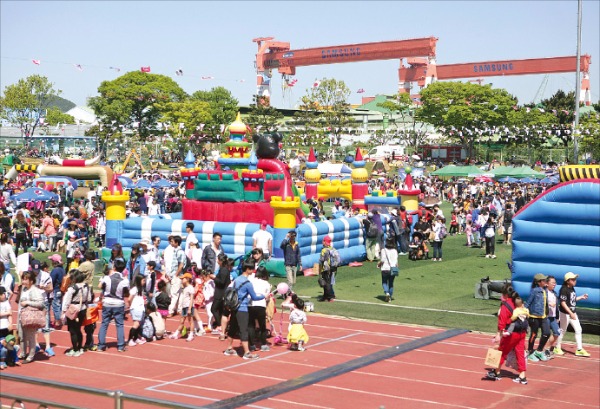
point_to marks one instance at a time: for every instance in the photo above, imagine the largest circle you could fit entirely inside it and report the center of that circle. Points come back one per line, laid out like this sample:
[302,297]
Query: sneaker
[493,376]
[265,348]
[100,349]
[122,349]
[50,351]
[522,381]
[3,365]
[541,356]
[70,352]
[230,352]
[37,349]
[215,332]
[487,256]
[252,348]
[558,351]
[132,343]
[190,338]
[533,358]
[387,297]
[141,341]
[494,256]
[249,355]
[174,335]
[582,352]
[548,354]
[77,353]
[301,348]
[199,332]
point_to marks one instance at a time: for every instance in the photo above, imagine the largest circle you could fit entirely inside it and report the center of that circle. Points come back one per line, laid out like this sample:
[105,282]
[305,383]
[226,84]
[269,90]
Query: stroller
[418,249]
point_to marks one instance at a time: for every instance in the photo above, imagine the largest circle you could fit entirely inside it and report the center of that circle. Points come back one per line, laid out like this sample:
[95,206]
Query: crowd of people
[189,284]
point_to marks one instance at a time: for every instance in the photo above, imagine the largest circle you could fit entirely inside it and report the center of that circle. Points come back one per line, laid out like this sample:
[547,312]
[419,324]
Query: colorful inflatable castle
[247,187]
[559,232]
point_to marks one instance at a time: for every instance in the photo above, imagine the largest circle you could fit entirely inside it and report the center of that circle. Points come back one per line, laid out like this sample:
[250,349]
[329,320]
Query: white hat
[394,212]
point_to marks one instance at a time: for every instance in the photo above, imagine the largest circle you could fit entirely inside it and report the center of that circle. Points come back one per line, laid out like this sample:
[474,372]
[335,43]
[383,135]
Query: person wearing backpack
[507,220]
[328,264]
[372,237]
[115,291]
[240,316]
[78,296]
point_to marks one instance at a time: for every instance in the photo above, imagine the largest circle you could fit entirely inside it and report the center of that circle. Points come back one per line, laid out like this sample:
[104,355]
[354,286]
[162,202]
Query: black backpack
[520,326]
[187,265]
[372,231]
[231,302]
[115,280]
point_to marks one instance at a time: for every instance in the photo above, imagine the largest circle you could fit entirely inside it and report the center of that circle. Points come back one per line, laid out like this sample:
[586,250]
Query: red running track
[448,373]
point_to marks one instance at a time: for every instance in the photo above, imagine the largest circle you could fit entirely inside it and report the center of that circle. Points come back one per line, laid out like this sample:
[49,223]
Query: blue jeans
[554,326]
[108,313]
[57,304]
[387,282]
[437,249]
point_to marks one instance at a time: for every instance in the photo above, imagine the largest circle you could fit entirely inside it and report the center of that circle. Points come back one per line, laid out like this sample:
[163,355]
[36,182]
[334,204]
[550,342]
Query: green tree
[589,126]
[223,110]
[466,113]
[184,121]
[132,101]
[263,117]
[54,117]
[330,99]
[306,130]
[26,101]
[562,105]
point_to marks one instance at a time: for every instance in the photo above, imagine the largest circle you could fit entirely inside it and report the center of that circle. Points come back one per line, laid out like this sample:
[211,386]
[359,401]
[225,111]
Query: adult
[57,274]
[190,238]
[30,296]
[21,232]
[327,270]
[404,224]
[116,252]
[537,303]
[489,233]
[568,314]
[87,268]
[222,281]
[136,264]
[438,239]
[49,231]
[372,237]
[78,295]
[7,256]
[513,342]
[389,260]
[115,290]
[240,318]
[507,220]
[210,253]
[176,270]
[291,257]
[263,239]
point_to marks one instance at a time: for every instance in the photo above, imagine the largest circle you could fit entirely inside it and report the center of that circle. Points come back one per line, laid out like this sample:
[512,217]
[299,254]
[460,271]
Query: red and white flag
[316,84]
[145,69]
[78,67]
[360,91]
[208,78]
[36,62]
[117,69]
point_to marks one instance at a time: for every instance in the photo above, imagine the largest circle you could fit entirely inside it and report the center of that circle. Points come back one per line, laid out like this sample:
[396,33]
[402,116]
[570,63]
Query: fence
[119,398]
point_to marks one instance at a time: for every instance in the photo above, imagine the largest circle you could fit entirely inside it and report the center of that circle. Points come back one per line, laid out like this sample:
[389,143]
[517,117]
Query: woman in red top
[515,341]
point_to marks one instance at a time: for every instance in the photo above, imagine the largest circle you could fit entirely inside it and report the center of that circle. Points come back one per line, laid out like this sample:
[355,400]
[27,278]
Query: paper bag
[316,269]
[492,358]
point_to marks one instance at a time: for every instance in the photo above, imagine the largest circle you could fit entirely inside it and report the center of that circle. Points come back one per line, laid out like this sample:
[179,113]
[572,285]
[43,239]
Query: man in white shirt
[263,240]
[190,238]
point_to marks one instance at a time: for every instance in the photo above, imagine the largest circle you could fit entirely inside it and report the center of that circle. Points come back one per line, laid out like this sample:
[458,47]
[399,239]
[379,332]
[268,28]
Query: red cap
[264,223]
[327,240]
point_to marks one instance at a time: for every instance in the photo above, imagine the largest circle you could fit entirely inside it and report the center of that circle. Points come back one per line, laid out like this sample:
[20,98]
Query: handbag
[394,271]
[33,318]
[73,310]
[492,357]
[431,236]
[322,282]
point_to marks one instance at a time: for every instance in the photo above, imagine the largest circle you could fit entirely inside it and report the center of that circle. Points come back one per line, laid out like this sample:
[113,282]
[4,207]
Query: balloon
[283,288]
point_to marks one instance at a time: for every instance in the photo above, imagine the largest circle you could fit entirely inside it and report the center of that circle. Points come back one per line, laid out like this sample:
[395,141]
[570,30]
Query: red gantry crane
[421,67]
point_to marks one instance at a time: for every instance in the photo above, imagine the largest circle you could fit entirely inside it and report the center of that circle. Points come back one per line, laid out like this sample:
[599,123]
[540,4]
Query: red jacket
[504,316]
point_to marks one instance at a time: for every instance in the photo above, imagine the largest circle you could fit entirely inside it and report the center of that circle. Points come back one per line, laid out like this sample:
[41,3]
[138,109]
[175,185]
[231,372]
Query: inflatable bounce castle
[248,186]
[559,232]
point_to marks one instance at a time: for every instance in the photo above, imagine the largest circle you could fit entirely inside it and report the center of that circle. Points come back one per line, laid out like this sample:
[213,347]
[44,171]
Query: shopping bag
[492,358]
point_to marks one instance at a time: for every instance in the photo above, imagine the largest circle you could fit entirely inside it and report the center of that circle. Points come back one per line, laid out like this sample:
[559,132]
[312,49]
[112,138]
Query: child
[158,322]
[35,234]
[9,352]
[5,314]
[519,318]
[297,336]
[137,309]
[148,330]
[163,300]
[258,309]
[199,301]
[469,232]
[187,308]
[453,224]
[209,296]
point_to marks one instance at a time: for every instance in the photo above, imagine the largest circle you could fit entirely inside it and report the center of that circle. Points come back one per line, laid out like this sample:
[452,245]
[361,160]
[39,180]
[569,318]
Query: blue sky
[215,39]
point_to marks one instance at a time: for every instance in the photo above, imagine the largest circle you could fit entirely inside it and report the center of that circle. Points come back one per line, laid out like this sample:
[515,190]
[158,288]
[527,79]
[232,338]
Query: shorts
[554,326]
[163,313]
[187,311]
[137,315]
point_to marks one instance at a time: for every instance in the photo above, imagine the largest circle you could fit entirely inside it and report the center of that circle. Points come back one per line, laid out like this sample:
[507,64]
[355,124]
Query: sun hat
[55,257]
[570,276]
[539,277]
[189,276]
[144,242]
[394,212]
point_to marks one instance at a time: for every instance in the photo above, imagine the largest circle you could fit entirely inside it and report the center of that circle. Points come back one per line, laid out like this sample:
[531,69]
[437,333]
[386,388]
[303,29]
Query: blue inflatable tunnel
[559,232]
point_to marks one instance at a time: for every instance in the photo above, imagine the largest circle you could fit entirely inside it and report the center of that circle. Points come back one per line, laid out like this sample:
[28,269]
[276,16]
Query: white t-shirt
[262,238]
[260,287]
[137,302]
[4,308]
[45,279]
[187,296]
[191,238]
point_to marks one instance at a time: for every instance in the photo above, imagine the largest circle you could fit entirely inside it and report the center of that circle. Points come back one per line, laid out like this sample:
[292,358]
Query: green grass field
[431,293]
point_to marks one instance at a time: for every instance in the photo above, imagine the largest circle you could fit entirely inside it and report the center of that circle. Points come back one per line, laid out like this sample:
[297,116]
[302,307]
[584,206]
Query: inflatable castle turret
[115,199]
[359,181]
[409,195]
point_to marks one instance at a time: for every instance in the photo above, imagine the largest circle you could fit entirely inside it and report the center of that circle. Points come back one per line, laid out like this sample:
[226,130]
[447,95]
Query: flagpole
[577,85]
